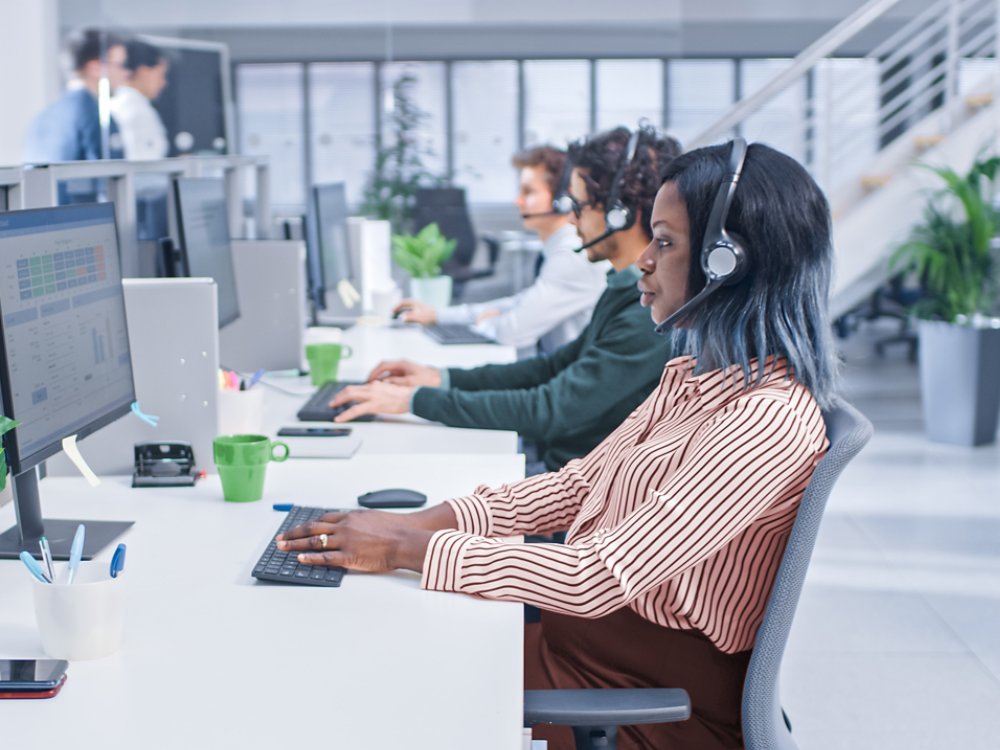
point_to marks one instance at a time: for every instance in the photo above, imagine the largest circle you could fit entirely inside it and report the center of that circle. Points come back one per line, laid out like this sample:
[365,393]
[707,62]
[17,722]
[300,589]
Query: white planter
[959,384]
[435,292]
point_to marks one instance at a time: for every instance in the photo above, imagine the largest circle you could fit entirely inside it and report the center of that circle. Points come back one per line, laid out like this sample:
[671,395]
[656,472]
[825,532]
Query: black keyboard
[318,409]
[456,333]
[284,567]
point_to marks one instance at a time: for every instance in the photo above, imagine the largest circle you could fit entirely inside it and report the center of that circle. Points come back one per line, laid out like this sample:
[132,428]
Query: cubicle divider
[174,341]
[41,189]
[271,285]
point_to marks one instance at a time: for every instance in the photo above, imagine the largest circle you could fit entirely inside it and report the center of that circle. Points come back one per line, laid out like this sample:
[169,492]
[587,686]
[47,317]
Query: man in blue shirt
[69,129]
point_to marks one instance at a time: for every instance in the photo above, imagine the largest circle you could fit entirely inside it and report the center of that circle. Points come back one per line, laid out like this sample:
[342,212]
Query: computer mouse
[392,498]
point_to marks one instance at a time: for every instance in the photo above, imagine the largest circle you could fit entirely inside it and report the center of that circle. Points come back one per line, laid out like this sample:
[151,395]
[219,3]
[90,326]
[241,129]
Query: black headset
[562,204]
[617,216]
[723,258]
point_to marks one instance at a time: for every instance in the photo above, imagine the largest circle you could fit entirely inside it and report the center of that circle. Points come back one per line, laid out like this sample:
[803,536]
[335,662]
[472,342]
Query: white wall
[29,68]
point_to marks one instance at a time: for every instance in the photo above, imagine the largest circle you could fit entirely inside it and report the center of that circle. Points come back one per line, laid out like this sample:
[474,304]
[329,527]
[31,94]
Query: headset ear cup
[617,217]
[724,260]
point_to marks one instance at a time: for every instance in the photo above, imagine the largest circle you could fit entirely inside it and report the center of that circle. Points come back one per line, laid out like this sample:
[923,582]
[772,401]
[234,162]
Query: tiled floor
[896,642]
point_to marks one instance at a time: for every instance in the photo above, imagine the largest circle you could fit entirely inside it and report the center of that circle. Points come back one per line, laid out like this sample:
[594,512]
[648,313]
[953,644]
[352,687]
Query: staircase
[925,93]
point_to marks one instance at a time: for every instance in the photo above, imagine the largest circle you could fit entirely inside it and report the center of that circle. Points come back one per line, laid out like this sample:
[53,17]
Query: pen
[282,506]
[75,553]
[33,567]
[43,544]
[255,378]
[118,561]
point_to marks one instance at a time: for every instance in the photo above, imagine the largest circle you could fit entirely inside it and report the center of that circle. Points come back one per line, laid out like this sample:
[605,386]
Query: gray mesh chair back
[764,724]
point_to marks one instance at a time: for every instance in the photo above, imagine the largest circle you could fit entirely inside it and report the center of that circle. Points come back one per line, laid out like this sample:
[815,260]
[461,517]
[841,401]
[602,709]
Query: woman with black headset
[677,521]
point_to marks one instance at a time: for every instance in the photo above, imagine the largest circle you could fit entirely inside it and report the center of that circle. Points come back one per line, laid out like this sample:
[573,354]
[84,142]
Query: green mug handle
[279,444]
[345,351]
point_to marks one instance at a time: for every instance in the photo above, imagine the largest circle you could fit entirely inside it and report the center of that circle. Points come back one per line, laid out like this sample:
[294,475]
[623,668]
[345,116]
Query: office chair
[595,715]
[447,208]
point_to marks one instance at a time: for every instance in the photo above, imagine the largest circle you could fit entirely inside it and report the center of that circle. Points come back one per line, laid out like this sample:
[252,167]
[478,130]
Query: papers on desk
[322,447]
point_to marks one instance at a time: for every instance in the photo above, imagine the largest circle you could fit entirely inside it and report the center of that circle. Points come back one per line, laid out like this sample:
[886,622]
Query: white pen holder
[241,412]
[84,619]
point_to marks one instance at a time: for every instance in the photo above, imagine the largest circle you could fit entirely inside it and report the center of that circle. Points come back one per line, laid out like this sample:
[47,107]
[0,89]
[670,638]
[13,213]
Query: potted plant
[421,255]
[953,251]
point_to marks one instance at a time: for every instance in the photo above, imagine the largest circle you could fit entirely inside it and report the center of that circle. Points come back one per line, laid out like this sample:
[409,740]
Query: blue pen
[118,561]
[33,567]
[282,506]
[75,552]
[255,378]
[43,544]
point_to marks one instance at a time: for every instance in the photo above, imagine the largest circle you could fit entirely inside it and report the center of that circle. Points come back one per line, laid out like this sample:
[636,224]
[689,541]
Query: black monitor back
[447,208]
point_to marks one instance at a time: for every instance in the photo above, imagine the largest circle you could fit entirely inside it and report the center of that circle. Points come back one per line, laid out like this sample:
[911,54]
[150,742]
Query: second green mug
[324,359]
[242,462]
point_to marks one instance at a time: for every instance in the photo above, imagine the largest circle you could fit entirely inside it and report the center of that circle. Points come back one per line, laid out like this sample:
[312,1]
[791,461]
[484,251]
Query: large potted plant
[953,252]
[421,255]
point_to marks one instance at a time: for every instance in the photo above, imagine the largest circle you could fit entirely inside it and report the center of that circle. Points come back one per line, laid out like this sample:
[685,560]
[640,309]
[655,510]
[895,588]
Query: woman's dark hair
[91,44]
[780,307]
[552,159]
[142,55]
[598,158]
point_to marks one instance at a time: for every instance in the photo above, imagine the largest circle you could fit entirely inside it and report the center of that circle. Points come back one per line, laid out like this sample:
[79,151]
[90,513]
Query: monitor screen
[203,223]
[329,203]
[314,258]
[66,367]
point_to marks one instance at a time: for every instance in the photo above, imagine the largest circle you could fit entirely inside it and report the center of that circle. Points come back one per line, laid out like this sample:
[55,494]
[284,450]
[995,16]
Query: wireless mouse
[392,498]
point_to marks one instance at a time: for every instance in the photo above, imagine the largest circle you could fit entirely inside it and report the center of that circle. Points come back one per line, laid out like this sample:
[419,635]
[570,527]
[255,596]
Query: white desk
[212,659]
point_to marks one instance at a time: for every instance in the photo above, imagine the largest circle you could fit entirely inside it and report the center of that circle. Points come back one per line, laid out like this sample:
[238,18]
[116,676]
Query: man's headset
[562,204]
[617,216]
[723,258]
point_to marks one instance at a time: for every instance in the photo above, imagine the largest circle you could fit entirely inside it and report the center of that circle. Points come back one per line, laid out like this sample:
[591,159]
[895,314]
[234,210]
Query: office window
[428,94]
[484,96]
[556,101]
[781,122]
[628,90]
[699,91]
[342,122]
[846,119]
[271,117]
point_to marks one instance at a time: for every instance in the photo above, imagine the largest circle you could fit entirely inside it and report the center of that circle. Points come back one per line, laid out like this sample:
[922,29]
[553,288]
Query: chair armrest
[603,707]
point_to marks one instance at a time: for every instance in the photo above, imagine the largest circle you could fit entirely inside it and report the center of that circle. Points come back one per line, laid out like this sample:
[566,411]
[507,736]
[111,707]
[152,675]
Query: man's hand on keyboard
[370,541]
[372,398]
[411,311]
[404,372]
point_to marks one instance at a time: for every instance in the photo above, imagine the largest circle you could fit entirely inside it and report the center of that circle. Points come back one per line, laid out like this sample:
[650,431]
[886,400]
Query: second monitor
[206,248]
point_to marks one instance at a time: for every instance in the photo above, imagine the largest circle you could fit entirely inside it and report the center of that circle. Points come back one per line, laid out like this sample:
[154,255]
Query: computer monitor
[65,363]
[203,228]
[329,204]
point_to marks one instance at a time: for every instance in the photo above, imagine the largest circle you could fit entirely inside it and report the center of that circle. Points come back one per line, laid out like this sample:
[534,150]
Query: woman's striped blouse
[682,513]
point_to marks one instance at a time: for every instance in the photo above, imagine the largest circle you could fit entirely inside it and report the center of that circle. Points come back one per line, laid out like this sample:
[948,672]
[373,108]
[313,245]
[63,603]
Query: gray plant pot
[960,382]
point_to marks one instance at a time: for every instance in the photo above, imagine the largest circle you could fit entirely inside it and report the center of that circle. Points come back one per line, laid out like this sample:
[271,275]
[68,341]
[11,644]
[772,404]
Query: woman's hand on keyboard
[369,540]
[372,398]
[404,372]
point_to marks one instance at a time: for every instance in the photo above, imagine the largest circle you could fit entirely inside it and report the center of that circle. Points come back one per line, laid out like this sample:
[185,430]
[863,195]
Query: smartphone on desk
[17,675]
[300,431]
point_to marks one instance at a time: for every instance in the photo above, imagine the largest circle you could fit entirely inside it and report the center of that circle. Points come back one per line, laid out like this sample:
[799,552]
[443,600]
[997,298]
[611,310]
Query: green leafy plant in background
[422,254]
[953,250]
[6,425]
[399,164]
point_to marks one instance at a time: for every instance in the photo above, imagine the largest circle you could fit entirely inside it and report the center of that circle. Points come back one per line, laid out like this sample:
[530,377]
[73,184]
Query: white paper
[73,453]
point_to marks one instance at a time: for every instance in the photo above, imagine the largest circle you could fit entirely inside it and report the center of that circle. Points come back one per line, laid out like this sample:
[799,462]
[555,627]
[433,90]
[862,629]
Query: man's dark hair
[143,55]
[599,157]
[551,158]
[91,44]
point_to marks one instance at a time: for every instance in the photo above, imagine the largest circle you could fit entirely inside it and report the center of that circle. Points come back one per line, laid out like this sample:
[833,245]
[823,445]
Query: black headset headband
[614,197]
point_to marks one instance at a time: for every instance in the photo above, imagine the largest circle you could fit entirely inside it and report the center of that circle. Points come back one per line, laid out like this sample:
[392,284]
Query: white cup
[241,412]
[84,619]
[384,300]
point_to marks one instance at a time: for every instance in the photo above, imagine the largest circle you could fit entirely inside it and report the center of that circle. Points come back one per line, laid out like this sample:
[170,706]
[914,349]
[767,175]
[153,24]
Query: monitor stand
[58,531]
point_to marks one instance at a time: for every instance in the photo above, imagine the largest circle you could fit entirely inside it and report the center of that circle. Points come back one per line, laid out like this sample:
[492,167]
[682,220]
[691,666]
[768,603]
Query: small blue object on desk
[118,561]
[284,507]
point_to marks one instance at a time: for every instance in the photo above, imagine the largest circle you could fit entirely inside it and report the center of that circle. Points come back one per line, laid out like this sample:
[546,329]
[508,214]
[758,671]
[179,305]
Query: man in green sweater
[570,400]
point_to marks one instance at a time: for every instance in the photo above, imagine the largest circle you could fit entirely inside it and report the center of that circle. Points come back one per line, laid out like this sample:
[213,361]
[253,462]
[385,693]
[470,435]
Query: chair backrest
[447,208]
[763,721]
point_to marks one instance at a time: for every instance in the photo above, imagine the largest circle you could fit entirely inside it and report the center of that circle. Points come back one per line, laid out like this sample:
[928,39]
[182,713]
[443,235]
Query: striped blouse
[682,513]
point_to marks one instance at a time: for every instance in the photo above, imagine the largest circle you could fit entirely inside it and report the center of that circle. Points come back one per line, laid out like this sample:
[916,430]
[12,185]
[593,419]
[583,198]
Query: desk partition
[11,194]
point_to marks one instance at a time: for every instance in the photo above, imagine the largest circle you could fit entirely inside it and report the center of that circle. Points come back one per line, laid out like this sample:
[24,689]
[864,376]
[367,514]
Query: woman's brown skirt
[623,650]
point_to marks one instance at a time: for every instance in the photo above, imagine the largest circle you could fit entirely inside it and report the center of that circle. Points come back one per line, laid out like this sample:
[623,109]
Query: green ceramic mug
[242,462]
[324,359]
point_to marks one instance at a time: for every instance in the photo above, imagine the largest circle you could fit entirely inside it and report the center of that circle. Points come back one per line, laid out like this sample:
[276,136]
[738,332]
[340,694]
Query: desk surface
[228,662]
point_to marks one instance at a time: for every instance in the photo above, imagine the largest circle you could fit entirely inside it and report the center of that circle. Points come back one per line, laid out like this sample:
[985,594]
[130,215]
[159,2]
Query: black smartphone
[314,431]
[31,674]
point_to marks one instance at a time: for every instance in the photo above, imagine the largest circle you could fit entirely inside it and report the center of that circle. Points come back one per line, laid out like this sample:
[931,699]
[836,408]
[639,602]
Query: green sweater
[569,401]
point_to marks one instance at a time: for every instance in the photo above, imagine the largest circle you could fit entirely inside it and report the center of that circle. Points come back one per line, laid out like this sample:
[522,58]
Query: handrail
[830,42]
